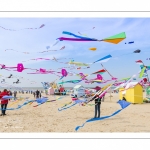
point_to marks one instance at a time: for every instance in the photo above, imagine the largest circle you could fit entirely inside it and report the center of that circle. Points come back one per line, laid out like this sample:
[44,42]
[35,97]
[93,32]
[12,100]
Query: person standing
[40,94]
[37,94]
[15,95]
[97,106]
[34,94]
[4,102]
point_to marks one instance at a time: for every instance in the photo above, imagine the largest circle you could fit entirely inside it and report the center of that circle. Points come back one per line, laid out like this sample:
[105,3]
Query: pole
[107,71]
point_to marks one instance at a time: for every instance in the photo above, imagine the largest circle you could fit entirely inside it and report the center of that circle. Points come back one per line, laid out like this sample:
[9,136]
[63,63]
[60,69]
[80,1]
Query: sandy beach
[47,118]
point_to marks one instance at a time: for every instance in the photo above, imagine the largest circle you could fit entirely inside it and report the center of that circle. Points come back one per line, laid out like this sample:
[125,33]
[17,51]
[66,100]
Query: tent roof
[78,86]
[130,84]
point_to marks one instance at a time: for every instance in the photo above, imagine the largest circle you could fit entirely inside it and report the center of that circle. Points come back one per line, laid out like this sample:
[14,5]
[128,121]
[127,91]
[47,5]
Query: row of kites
[115,39]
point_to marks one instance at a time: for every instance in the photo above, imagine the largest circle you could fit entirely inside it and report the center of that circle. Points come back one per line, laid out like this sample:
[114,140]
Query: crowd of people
[4,102]
[37,94]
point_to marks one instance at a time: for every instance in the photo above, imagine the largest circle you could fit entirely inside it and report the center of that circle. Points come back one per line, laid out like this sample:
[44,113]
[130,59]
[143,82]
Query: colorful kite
[104,59]
[42,71]
[19,67]
[113,39]
[100,72]
[123,105]
[70,81]
[72,62]
[64,73]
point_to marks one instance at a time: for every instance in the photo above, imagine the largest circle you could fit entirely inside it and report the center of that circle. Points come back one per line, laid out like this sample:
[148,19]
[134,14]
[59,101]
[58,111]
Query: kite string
[106,70]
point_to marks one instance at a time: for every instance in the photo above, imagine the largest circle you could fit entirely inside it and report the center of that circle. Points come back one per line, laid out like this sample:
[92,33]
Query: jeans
[3,106]
[97,109]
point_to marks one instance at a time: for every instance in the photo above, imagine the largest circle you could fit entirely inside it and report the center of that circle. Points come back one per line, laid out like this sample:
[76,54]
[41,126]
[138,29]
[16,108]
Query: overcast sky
[34,41]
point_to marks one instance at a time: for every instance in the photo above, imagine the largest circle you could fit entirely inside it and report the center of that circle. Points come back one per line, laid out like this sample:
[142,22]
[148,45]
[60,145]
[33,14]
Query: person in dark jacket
[4,102]
[37,93]
[97,106]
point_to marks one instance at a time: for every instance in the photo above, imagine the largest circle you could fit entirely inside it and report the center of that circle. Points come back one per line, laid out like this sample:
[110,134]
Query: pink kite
[42,71]
[19,67]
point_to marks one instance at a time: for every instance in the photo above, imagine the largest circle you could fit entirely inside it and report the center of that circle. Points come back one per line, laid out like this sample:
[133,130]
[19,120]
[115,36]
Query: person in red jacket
[4,102]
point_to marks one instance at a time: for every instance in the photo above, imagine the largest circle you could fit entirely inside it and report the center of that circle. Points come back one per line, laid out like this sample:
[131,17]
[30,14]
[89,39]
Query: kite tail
[19,106]
[97,119]
[66,107]
[77,128]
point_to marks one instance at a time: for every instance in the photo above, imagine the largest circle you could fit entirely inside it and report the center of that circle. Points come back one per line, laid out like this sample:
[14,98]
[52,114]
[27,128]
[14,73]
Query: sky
[121,65]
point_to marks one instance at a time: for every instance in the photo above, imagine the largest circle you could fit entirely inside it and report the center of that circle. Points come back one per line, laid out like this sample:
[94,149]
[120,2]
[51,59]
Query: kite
[104,59]
[93,49]
[137,51]
[124,104]
[19,67]
[113,39]
[75,102]
[100,72]
[85,30]
[139,62]
[38,59]
[7,97]
[9,76]
[70,81]
[16,51]
[20,106]
[82,76]
[24,28]
[144,68]
[42,71]
[35,52]
[46,85]
[17,81]
[98,79]
[72,62]
[130,42]
[3,81]
[41,101]
[55,59]
[64,73]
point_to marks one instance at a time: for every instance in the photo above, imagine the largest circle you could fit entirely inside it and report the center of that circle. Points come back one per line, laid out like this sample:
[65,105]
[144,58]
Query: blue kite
[123,105]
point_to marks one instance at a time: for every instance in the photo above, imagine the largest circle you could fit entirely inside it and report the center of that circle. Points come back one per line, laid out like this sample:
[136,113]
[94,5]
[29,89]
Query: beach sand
[47,118]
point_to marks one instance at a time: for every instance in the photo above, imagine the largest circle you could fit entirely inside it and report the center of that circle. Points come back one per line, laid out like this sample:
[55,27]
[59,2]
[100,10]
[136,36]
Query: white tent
[79,90]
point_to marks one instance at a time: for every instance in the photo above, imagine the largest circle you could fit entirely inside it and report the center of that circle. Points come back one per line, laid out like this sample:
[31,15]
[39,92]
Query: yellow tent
[133,94]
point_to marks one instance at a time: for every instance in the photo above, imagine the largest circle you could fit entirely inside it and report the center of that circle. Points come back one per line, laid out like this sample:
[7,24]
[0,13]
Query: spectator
[4,102]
